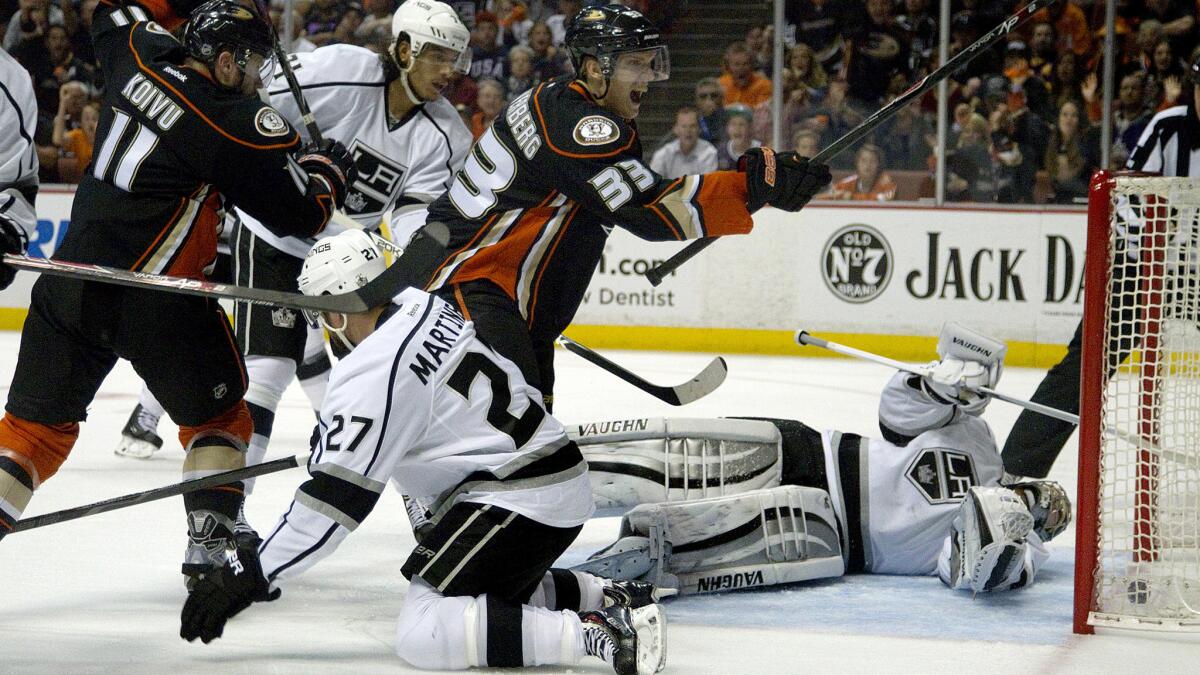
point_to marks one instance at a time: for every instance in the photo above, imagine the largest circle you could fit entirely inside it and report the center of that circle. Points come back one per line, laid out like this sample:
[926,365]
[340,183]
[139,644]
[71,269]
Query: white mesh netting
[1148,567]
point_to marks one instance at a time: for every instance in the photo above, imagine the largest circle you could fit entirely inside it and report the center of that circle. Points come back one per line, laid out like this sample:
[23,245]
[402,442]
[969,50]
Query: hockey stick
[160,493]
[696,388]
[375,293]
[659,272]
[805,338]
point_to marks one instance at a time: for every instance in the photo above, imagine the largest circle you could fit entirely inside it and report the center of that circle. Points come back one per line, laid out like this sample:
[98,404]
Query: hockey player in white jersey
[18,162]
[422,402]
[407,141]
[735,503]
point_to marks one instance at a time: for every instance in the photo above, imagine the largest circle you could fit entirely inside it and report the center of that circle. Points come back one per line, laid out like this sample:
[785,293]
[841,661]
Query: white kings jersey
[401,167]
[896,500]
[18,156]
[424,403]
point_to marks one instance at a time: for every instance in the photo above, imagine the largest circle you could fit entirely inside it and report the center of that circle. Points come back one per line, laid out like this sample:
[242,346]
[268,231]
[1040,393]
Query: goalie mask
[339,264]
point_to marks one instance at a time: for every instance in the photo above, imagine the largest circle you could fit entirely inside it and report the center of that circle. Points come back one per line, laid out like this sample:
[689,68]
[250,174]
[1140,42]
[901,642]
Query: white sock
[152,410]
[551,637]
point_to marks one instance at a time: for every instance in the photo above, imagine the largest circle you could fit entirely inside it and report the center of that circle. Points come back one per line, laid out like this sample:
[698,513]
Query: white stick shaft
[804,338]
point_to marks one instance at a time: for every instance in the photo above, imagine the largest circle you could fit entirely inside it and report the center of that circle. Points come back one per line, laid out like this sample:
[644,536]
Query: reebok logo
[424,552]
[235,564]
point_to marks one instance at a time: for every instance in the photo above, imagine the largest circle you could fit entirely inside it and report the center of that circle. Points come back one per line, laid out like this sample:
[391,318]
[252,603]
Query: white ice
[102,594]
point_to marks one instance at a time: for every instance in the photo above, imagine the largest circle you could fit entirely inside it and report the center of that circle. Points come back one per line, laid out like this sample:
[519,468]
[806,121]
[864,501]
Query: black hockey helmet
[227,25]
[604,32]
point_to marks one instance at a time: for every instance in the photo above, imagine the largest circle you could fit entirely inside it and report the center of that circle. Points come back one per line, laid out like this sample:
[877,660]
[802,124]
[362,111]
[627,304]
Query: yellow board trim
[917,348]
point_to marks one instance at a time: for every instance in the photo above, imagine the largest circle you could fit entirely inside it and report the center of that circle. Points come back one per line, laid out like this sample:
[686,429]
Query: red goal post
[1137,555]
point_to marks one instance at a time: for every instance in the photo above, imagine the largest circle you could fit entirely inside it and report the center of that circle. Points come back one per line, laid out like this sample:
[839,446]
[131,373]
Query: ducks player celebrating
[406,140]
[421,401]
[795,504]
[531,209]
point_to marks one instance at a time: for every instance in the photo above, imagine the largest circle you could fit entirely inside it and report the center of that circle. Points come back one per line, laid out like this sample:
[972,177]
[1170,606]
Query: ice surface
[102,594]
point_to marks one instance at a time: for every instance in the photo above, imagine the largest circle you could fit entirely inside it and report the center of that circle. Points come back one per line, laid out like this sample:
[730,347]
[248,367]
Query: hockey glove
[784,180]
[953,381]
[331,161]
[218,597]
[12,240]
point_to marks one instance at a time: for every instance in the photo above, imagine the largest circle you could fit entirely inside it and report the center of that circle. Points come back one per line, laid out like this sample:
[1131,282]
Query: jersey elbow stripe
[339,500]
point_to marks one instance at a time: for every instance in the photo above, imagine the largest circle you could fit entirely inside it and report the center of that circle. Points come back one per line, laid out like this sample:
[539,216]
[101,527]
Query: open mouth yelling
[636,96]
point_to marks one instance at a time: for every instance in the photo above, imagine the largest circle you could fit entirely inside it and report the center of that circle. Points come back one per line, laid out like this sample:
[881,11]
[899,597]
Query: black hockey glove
[218,597]
[784,180]
[333,162]
[12,240]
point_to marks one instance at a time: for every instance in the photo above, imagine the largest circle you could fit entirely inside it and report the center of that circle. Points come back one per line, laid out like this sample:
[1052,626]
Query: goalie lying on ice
[736,503]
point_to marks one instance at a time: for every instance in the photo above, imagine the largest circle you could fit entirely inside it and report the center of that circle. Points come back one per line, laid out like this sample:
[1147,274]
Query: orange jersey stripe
[722,196]
[500,263]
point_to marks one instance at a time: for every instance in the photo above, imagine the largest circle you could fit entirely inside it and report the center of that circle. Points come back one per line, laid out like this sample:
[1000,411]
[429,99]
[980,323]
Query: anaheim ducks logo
[592,15]
[269,123]
[596,130]
[241,13]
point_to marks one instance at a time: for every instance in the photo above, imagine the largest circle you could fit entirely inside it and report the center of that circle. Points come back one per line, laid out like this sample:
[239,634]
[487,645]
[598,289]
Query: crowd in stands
[1025,123]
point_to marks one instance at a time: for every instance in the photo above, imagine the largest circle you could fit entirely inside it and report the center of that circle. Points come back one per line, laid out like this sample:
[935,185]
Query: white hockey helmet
[339,264]
[436,23]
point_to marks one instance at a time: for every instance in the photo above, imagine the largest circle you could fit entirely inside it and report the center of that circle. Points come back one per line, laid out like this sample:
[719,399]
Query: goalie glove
[988,541]
[218,597]
[969,360]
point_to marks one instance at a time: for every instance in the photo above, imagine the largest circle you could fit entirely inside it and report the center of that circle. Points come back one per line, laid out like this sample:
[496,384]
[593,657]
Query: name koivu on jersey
[151,101]
[438,342]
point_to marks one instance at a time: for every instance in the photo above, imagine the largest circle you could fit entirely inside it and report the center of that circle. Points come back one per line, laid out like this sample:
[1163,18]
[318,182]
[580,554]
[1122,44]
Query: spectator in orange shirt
[869,182]
[740,81]
[79,142]
[1071,26]
[488,102]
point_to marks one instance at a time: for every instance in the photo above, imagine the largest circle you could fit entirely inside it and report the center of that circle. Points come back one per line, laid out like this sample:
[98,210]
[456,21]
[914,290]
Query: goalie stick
[657,273]
[696,388]
[805,338]
[160,493]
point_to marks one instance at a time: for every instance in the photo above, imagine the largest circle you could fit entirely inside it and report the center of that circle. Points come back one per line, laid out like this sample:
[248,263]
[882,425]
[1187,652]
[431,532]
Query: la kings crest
[377,185]
[941,475]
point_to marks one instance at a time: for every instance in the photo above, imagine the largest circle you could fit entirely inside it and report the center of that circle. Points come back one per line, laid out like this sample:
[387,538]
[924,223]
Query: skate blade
[134,448]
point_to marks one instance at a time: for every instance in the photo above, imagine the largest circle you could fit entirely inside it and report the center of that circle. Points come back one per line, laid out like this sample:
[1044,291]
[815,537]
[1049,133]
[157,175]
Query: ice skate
[632,641]
[138,438]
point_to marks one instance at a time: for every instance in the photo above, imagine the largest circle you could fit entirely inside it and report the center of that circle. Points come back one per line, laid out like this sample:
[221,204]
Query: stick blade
[703,384]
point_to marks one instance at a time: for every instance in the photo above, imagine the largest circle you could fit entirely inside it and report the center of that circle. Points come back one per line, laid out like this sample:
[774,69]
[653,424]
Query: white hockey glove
[969,360]
[988,541]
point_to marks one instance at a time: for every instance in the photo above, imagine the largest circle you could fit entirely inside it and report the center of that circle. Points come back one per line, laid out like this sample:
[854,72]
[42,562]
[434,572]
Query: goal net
[1138,529]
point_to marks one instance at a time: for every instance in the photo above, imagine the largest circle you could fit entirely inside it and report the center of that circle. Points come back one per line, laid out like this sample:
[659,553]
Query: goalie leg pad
[644,461]
[760,538]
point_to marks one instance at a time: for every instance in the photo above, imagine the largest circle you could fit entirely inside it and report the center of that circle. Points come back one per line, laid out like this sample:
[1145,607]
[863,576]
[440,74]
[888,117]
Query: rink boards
[880,277]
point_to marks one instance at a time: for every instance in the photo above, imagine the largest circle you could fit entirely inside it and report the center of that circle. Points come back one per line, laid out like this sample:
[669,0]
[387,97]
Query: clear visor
[253,62]
[444,57]
[644,65]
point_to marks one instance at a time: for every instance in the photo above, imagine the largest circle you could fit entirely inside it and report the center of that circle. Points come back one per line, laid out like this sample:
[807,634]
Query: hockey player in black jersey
[531,208]
[182,135]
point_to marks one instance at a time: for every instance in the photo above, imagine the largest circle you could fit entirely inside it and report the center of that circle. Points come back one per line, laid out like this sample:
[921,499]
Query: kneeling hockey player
[733,503]
[421,401]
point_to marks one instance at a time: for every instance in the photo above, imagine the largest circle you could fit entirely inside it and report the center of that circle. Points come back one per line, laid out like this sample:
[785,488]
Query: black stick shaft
[656,274]
[159,493]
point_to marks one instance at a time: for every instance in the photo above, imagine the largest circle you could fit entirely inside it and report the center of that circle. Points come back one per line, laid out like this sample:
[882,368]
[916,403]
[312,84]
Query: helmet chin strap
[339,333]
[408,91]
